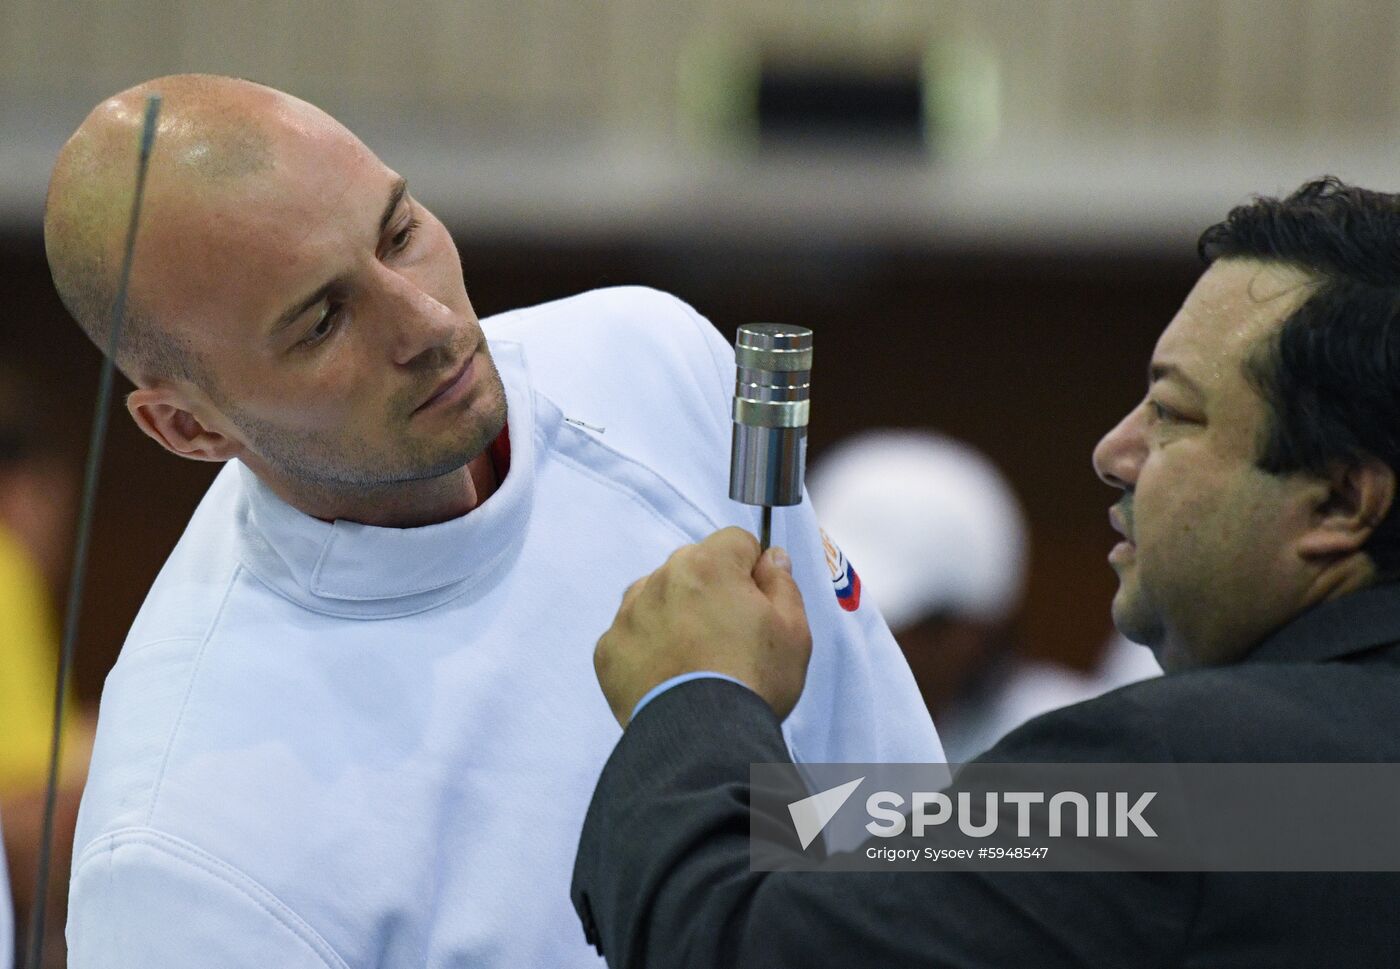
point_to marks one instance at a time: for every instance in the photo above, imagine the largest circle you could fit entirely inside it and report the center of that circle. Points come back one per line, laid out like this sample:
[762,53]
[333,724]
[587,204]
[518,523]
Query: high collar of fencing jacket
[346,568]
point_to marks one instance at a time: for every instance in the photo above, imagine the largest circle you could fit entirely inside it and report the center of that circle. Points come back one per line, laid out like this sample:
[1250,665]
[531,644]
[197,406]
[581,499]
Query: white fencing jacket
[335,745]
[7,912]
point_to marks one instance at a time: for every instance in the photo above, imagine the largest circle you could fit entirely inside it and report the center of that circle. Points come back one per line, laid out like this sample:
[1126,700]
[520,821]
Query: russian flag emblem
[844,579]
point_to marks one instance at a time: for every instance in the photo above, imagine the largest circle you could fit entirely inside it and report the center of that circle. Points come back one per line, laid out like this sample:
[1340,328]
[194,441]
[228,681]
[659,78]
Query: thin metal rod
[96,443]
[765,534]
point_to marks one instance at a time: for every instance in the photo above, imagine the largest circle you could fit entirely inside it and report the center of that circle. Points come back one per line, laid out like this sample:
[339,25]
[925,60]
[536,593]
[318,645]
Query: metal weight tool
[772,402]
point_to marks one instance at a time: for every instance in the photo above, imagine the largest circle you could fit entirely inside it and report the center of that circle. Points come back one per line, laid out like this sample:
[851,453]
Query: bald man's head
[213,132]
[293,306]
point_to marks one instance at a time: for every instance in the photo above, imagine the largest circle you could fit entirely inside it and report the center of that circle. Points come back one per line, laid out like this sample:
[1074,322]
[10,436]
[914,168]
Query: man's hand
[719,607]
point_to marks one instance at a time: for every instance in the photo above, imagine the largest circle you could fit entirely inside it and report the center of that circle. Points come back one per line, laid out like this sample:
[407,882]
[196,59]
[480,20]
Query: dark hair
[1330,375]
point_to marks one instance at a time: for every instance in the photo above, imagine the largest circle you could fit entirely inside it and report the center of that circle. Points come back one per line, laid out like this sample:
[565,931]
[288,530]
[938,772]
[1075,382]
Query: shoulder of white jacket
[599,316]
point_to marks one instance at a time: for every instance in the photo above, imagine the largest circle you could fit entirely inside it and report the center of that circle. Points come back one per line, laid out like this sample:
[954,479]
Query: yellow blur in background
[28,654]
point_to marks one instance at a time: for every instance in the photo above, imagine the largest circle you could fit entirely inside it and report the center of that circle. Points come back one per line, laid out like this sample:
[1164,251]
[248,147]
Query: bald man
[355,722]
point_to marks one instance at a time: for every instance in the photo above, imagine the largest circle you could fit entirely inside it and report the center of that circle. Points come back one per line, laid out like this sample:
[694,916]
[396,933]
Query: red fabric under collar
[500,455]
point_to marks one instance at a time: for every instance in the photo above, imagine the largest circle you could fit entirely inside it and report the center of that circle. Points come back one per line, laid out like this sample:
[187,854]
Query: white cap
[927,522]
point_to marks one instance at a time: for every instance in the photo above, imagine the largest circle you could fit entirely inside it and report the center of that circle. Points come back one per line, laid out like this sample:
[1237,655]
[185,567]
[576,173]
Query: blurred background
[986,209]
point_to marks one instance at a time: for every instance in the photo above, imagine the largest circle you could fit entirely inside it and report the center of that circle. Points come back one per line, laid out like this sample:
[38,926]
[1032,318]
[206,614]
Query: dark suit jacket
[662,877]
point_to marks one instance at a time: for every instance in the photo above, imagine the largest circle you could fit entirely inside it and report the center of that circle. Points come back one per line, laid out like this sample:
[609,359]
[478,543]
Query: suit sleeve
[140,898]
[663,879]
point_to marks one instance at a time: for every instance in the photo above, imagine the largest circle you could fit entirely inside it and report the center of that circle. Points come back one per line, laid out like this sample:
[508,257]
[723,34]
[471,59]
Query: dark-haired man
[1259,541]
[354,723]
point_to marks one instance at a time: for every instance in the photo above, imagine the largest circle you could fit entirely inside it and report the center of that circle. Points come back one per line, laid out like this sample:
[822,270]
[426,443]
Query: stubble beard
[1134,616]
[320,462]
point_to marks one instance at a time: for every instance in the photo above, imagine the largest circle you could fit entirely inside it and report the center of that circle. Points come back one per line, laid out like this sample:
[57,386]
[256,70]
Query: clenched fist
[718,606]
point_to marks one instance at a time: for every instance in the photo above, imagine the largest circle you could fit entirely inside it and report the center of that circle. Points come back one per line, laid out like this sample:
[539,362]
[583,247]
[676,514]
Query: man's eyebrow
[1161,371]
[396,194]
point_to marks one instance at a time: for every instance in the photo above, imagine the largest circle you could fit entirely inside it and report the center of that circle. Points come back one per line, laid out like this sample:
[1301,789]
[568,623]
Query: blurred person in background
[939,540]
[36,513]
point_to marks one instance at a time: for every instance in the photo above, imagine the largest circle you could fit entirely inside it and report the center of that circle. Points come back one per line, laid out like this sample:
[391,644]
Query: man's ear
[1357,497]
[163,413]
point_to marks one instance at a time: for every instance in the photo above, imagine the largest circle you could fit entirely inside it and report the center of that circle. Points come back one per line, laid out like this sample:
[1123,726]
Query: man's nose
[1118,456]
[414,322]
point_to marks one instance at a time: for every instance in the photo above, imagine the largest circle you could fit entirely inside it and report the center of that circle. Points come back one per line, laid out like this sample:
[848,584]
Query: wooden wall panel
[1137,67]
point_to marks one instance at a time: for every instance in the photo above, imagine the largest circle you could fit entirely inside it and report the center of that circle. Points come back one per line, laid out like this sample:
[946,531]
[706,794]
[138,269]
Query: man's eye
[404,236]
[324,327]
[1161,412]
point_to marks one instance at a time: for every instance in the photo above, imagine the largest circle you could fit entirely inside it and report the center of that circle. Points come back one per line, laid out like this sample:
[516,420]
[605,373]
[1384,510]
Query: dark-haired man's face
[1208,565]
